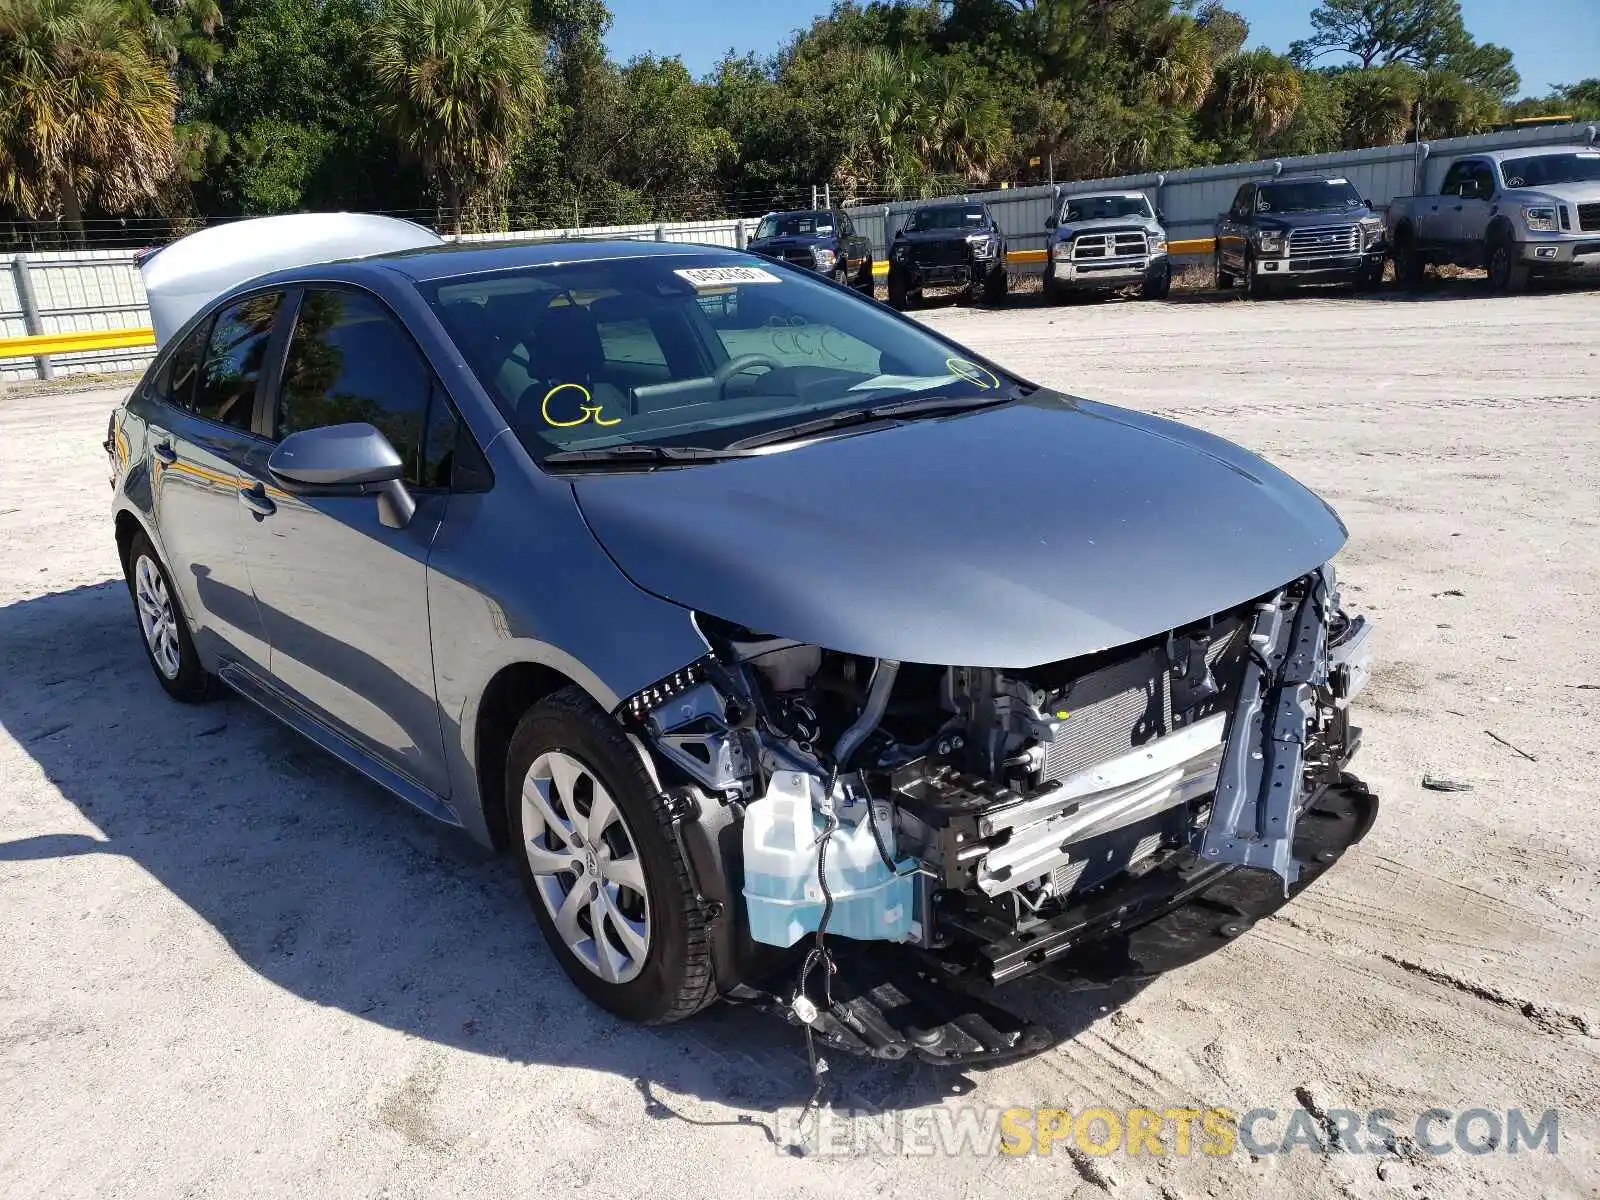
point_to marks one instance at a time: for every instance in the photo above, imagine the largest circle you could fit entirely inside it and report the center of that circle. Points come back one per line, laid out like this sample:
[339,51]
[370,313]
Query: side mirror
[1051,222]
[347,456]
[1161,217]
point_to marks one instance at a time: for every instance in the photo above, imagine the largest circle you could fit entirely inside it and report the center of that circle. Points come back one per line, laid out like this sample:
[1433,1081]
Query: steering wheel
[737,366]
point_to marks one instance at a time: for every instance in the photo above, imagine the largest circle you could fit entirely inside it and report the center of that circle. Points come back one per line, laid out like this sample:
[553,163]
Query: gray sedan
[741,609]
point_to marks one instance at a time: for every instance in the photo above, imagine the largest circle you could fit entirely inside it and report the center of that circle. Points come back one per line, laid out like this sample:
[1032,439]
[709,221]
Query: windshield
[1099,208]
[693,350]
[796,224]
[1311,195]
[1581,166]
[968,216]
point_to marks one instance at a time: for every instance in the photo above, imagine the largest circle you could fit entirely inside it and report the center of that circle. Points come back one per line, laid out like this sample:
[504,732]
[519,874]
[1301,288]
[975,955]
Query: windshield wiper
[637,455]
[917,406]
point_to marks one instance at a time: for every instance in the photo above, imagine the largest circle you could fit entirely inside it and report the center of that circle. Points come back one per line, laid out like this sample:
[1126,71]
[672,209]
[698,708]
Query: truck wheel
[1223,279]
[1157,286]
[995,285]
[1408,265]
[898,296]
[1506,274]
[866,284]
[595,850]
[1050,288]
[1255,287]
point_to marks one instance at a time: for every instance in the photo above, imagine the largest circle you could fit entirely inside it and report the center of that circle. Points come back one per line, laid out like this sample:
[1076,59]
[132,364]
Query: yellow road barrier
[77,342]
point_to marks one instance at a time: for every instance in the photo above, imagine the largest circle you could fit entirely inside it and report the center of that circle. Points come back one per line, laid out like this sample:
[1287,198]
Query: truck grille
[940,254]
[1589,218]
[800,258]
[1318,240]
[1130,703]
[1121,243]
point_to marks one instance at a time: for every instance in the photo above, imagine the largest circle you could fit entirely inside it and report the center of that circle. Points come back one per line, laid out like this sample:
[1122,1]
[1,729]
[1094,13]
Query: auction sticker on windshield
[711,277]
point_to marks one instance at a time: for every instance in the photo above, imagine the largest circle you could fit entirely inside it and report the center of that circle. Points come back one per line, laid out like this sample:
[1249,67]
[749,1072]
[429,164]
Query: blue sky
[1555,41]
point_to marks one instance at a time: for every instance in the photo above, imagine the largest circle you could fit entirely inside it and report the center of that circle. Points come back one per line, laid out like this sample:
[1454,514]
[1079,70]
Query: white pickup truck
[1518,213]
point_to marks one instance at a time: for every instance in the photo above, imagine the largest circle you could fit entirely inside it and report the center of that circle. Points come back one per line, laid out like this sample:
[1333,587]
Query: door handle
[165,452]
[255,498]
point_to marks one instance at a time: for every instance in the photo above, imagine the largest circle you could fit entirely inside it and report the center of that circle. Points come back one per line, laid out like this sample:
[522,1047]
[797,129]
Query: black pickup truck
[821,240]
[952,244]
[1299,229]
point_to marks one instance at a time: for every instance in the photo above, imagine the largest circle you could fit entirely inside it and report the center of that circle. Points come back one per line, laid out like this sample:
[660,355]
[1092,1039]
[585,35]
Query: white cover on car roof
[183,277]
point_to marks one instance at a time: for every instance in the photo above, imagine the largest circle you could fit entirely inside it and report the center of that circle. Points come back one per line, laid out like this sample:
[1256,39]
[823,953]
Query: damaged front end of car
[989,821]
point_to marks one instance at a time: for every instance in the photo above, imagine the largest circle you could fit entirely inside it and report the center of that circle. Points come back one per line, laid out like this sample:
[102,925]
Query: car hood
[777,245]
[1298,220]
[1068,228]
[1007,537]
[1572,193]
[919,237]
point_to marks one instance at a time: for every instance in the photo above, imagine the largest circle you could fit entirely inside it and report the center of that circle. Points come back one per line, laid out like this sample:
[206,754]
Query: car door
[203,451]
[343,597]
[1470,226]
[1438,217]
[1234,233]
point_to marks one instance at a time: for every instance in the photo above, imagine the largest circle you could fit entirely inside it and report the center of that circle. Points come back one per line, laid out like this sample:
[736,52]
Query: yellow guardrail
[76,342]
[33,345]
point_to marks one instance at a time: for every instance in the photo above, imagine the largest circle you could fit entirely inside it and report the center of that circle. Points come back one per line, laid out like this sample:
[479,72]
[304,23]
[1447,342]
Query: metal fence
[87,291]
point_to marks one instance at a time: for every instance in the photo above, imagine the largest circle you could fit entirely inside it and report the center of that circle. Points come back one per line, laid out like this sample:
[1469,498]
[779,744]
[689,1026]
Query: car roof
[472,258]
[937,204]
[1530,151]
[1305,177]
[799,212]
[1134,193]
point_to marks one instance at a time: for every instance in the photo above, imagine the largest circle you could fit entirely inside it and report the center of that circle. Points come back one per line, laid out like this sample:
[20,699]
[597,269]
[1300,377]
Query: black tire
[1410,272]
[1369,278]
[866,283]
[899,297]
[995,286]
[677,979]
[1255,287]
[1223,279]
[1053,292]
[1157,286]
[1506,273]
[189,684]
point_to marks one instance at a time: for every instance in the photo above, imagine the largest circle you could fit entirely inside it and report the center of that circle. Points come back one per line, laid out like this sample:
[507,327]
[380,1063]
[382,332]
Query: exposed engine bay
[964,810]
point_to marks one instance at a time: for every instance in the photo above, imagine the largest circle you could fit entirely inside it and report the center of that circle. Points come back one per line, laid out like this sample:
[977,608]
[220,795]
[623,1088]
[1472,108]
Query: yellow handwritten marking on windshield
[963,368]
[590,410]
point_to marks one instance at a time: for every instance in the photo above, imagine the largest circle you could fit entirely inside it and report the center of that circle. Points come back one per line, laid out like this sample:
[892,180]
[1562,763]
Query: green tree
[1379,33]
[85,112]
[460,85]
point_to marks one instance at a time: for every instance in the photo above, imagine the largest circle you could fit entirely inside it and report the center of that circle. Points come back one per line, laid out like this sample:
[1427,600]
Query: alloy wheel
[156,617]
[586,866]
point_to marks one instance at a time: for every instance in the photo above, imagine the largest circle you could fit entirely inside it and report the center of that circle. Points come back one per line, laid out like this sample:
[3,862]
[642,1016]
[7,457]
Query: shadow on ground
[342,895]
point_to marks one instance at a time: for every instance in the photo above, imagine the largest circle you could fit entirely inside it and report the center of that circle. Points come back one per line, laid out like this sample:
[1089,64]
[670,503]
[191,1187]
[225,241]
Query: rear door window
[174,383]
[350,359]
[225,390]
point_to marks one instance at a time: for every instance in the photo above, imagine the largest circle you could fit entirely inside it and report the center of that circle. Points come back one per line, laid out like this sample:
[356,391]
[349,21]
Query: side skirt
[275,703]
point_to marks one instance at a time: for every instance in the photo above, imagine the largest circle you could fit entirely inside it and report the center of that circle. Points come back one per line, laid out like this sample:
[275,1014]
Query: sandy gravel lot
[228,967]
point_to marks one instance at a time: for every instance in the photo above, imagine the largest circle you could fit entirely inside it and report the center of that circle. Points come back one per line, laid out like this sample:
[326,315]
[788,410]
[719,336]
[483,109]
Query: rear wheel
[597,856]
[165,631]
[1408,265]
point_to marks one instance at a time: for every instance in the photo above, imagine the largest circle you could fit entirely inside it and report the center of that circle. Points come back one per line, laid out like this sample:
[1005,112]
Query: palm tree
[958,127]
[85,113]
[463,85]
[1258,90]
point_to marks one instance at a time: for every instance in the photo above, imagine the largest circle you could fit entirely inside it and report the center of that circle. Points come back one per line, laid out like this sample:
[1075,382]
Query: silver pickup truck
[1518,213]
[1103,241]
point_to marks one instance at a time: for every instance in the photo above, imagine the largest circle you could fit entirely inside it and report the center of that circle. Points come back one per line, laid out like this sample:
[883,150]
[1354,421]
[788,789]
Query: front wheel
[1222,278]
[595,849]
[995,286]
[167,643]
[1255,287]
[1158,284]
[1506,274]
[866,283]
[898,296]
